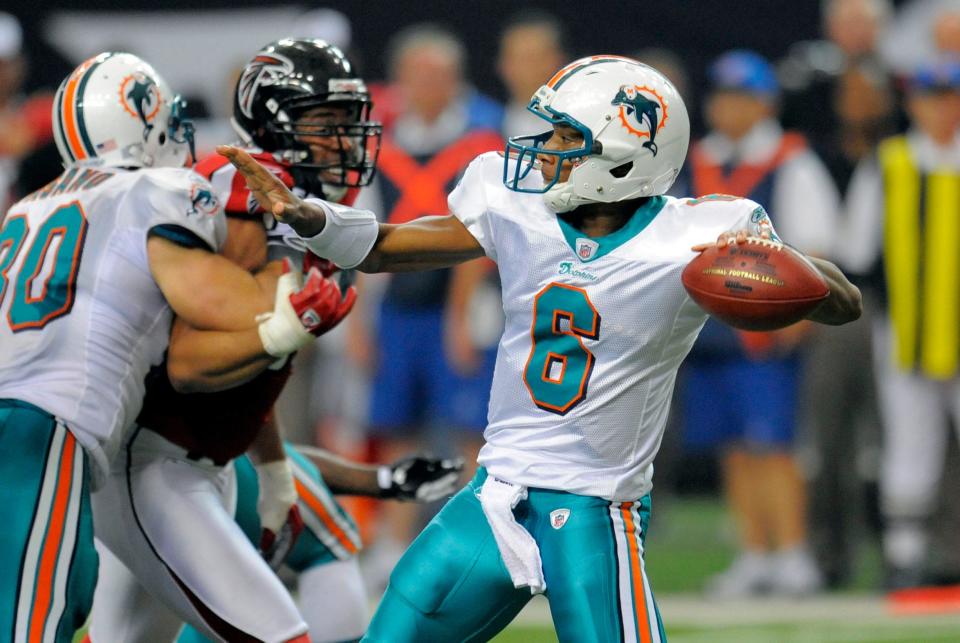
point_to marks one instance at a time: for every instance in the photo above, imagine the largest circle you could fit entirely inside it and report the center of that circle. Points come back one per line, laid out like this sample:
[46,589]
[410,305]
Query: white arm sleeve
[173,200]
[348,235]
[468,202]
[748,215]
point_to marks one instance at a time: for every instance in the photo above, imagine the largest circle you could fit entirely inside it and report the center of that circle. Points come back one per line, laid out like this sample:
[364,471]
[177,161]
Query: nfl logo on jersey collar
[586,248]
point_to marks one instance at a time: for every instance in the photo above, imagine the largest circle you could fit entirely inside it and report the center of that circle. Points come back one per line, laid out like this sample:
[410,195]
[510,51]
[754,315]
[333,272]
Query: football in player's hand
[757,285]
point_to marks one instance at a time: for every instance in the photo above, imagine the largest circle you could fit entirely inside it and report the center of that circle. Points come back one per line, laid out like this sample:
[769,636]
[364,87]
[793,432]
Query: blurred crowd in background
[818,439]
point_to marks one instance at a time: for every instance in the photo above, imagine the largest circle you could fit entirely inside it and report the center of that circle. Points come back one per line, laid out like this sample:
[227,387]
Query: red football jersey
[221,425]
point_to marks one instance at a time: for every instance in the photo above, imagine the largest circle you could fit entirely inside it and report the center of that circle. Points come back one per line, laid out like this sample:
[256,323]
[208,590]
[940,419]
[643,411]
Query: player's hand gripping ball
[759,284]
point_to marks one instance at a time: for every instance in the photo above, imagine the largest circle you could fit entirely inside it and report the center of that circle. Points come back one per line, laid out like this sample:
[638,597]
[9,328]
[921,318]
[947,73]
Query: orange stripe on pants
[639,596]
[43,588]
[314,503]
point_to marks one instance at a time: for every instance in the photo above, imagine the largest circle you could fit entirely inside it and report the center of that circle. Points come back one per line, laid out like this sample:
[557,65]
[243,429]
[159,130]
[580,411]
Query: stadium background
[692,535]
[700,29]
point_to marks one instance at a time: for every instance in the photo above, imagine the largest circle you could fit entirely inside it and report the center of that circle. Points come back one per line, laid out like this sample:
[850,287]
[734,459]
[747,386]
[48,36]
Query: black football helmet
[286,80]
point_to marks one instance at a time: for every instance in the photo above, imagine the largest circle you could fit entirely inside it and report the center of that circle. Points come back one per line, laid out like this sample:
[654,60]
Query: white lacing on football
[770,243]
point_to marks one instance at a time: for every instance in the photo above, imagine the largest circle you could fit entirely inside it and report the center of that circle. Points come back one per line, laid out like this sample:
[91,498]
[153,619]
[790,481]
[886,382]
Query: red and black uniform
[221,426]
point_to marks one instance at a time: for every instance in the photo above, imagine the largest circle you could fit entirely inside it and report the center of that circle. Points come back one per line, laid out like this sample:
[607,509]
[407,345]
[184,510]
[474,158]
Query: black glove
[420,479]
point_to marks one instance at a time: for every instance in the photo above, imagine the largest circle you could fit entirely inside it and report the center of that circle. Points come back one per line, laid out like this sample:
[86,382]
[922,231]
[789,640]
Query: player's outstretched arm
[426,243]
[225,334]
[415,478]
[423,244]
[206,290]
[844,304]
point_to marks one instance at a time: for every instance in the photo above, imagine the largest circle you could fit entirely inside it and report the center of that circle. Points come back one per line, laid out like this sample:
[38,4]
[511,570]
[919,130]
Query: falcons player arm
[206,290]
[423,244]
[211,360]
[223,338]
[414,478]
[280,521]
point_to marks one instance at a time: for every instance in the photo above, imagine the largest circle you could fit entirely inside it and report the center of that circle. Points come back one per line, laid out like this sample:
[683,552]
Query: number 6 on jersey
[559,365]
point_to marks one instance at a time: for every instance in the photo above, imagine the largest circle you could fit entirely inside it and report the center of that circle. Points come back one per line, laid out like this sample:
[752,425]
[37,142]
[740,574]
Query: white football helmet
[635,133]
[114,109]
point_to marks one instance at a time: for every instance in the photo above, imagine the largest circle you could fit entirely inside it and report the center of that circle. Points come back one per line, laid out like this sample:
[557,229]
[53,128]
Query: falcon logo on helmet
[262,71]
[141,98]
[642,111]
[296,91]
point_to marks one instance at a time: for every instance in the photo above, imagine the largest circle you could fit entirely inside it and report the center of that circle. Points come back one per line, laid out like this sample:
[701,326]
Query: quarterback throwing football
[590,253]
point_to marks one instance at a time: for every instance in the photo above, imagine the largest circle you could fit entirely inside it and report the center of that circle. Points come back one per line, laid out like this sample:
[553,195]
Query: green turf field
[784,633]
[693,538]
[690,539]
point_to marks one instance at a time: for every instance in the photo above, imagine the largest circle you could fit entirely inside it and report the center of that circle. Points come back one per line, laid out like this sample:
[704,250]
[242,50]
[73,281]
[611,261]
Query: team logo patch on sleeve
[761,224]
[202,198]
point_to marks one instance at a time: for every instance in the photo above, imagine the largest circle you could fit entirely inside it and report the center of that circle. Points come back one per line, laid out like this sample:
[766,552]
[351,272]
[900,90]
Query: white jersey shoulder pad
[179,197]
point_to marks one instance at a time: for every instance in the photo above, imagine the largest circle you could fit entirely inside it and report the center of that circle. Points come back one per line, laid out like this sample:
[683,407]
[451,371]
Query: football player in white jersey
[303,112]
[92,268]
[597,322]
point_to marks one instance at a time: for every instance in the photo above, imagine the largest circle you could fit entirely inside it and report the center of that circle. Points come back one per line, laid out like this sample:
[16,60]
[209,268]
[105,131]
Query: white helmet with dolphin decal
[635,133]
[115,109]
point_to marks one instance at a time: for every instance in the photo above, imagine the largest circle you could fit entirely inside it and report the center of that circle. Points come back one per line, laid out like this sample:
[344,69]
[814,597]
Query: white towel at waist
[517,547]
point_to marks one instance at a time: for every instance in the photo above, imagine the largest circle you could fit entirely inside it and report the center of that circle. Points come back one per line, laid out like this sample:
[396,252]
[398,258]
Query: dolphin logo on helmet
[141,125]
[141,98]
[643,110]
[621,108]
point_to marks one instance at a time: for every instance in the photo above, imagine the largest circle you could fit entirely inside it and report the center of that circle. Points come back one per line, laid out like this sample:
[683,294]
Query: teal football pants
[452,585]
[48,565]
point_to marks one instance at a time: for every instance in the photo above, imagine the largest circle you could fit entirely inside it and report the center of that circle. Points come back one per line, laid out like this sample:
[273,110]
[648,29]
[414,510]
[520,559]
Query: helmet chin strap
[562,198]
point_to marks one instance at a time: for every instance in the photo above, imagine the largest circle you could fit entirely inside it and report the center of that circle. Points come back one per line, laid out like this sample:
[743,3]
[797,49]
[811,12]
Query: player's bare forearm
[423,244]
[204,361]
[343,476]
[844,304]
[427,243]
[207,290]
[267,446]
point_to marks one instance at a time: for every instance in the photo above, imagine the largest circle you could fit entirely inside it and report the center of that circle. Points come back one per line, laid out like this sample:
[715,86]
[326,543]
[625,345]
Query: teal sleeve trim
[179,235]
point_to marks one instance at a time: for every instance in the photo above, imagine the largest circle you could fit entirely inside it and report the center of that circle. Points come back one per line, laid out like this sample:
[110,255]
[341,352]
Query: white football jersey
[595,331]
[81,317]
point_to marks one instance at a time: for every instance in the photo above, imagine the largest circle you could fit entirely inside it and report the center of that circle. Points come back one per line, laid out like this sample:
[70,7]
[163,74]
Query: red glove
[275,547]
[326,267]
[302,311]
[319,303]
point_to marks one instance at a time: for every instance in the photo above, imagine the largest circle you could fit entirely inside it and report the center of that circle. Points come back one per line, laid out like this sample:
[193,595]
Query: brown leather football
[758,285]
